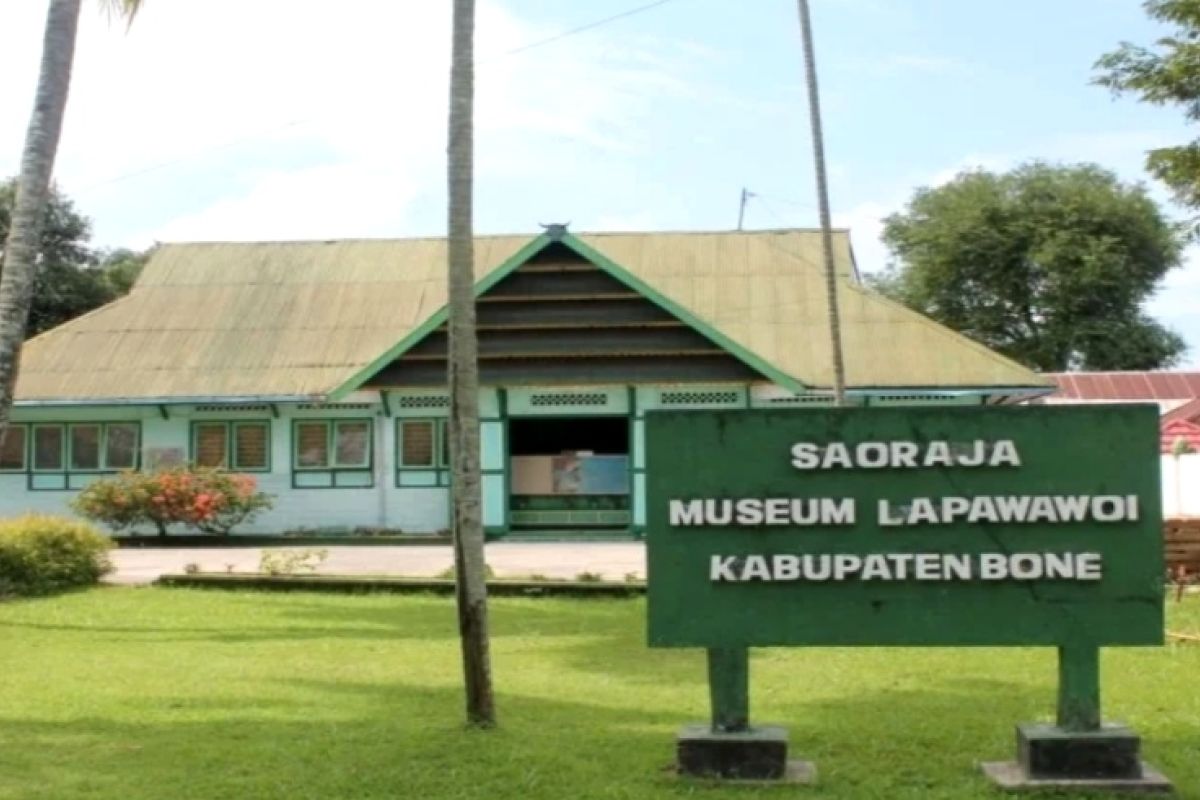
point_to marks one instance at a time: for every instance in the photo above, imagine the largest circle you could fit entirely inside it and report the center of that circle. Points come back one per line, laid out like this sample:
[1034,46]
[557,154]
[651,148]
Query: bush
[209,500]
[291,562]
[42,554]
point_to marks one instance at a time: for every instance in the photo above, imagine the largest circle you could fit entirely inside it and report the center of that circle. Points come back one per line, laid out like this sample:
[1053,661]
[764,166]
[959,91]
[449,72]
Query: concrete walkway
[613,560]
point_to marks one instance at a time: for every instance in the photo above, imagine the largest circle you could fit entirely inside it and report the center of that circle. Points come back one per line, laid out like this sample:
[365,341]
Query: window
[332,453]
[244,446]
[422,453]
[13,448]
[352,444]
[48,447]
[85,447]
[57,452]
[121,446]
[418,442]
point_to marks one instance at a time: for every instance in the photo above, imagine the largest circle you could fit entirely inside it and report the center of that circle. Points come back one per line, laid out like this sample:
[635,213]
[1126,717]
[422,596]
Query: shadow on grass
[409,743]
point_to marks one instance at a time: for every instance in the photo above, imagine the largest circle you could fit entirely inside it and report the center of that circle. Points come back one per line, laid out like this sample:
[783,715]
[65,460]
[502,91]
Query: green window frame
[230,456]
[14,431]
[67,449]
[320,449]
[436,470]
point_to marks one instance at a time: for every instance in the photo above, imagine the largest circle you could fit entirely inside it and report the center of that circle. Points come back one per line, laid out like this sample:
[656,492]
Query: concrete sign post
[919,526]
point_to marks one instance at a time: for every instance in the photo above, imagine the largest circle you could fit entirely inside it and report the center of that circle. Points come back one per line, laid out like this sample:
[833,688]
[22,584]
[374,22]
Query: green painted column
[729,688]
[1079,687]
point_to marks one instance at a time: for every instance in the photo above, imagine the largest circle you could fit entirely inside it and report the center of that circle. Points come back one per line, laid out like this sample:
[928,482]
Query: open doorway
[569,472]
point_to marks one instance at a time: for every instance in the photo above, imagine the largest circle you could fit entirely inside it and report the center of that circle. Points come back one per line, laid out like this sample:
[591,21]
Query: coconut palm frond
[122,9]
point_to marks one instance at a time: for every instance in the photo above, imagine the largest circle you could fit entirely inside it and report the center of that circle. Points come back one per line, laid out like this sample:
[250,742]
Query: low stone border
[247,540]
[352,584]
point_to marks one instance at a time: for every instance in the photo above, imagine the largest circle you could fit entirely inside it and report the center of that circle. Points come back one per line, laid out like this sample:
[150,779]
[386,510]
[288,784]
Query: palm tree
[463,367]
[33,185]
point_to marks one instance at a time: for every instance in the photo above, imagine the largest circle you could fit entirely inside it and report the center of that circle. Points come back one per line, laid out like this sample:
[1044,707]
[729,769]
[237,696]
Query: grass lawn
[175,694]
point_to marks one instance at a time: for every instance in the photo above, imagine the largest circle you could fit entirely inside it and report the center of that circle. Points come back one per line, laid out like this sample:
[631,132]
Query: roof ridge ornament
[555,231]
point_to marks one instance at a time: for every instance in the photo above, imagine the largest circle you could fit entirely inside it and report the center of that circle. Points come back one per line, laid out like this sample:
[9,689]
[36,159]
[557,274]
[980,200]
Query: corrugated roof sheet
[1127,385]
[283,319]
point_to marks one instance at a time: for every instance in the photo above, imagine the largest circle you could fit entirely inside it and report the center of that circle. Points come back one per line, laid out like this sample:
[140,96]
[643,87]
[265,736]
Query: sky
[301,119]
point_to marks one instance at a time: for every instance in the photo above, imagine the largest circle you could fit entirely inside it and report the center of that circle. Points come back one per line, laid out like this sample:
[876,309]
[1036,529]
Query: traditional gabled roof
[313,319]
[1172,431]
[1188,412]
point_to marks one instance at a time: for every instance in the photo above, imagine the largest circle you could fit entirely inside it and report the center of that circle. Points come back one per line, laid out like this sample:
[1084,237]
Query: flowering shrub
[209,500]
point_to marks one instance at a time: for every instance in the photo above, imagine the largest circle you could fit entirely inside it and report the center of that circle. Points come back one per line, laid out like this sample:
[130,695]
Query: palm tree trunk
[814,110]
[33,189]
[463,366]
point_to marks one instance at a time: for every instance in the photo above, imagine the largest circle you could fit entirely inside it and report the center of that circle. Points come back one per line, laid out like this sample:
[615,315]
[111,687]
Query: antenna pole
[814,110]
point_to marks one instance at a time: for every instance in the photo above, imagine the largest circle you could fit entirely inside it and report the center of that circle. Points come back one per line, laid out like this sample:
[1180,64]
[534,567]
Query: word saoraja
[824,567]
[911,455]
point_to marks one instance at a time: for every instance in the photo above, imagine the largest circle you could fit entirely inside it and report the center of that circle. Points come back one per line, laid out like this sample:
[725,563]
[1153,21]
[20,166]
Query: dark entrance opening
[569,473]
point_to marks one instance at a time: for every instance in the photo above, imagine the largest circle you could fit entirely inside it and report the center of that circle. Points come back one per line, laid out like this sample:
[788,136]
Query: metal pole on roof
[814,111]
[746,195]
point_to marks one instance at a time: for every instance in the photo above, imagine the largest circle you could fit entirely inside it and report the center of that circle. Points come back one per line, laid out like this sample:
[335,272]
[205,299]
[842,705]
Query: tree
[1169,74]
[1050,265]
[70,278]
[463,377]
[18,273]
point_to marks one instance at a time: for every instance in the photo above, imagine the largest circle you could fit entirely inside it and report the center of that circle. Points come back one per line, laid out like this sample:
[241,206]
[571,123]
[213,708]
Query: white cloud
[354,95]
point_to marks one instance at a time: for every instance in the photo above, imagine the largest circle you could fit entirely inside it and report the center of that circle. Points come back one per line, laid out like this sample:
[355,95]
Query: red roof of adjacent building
[1180,429]
[1188,412]
[1127,385]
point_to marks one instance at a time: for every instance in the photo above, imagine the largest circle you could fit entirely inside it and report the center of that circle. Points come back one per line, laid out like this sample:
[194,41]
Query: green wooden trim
[505,460]
[231,426]
[518,258]
[662,301]
[330,445]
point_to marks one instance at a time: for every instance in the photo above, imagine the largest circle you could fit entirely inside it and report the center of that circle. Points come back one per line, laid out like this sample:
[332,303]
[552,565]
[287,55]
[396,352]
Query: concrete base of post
[1050,757]
[757,754]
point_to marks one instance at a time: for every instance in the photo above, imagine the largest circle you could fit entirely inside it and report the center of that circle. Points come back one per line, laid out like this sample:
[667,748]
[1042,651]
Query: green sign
[919,526]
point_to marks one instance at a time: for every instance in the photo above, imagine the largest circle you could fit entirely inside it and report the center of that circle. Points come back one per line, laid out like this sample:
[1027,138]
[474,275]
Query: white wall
[1181,485]
[413,510]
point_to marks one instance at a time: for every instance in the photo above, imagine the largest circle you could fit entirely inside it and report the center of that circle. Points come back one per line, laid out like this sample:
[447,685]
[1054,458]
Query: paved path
[613,560]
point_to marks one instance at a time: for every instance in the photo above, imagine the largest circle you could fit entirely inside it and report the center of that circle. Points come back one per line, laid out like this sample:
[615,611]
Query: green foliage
[43,554]
[589,577]
[291,562]
[1050,265]
[209,500]
[72,279]
[1166,74]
